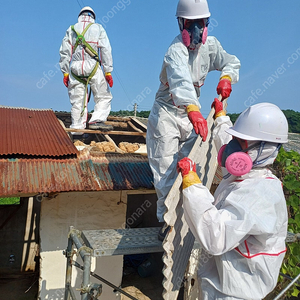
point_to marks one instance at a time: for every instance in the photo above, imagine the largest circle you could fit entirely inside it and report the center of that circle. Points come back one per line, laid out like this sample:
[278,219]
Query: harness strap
[80,40]
[80,37]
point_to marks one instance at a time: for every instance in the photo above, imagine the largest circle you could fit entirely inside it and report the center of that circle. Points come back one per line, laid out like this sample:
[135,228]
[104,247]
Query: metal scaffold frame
[99,243]
[85,253]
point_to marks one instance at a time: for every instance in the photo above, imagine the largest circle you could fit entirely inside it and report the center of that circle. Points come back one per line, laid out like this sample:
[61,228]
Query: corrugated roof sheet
[106,172]
[178,243]
[32,132]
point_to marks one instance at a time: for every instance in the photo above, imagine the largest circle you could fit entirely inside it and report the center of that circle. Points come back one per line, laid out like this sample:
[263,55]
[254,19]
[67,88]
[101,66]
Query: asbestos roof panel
[107,172]
[179,242]
[31,132]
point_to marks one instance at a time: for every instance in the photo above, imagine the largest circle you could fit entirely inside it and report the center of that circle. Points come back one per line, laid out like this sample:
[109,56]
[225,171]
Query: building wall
[84,211]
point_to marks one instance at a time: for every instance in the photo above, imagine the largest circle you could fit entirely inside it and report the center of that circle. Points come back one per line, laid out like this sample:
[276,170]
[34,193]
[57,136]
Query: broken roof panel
[32,132]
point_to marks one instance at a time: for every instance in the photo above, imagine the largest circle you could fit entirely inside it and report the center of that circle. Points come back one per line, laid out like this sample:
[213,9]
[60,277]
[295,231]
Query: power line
[79,4]
[119,79]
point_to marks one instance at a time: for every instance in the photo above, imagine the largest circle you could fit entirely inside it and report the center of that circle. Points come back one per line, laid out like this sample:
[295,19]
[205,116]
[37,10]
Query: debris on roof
[125,147]
[129,147]
[128,135]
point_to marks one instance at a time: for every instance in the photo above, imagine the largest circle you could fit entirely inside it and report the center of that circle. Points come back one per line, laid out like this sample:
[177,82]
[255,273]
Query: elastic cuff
[190,179]
[220,114]
[192,107]
[66,74]
[107,73]
[226,77]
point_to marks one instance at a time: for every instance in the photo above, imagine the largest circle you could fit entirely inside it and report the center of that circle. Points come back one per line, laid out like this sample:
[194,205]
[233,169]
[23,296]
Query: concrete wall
[84,211]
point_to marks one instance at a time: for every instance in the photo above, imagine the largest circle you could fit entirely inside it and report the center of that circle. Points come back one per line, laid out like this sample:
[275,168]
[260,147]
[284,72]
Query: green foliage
[287,167]
[126,113]
[293,118]
[233,117]
[10,201]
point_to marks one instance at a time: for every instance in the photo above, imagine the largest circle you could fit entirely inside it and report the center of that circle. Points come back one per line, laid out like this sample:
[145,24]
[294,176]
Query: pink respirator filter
[186,37]
[204,35]
[238,163]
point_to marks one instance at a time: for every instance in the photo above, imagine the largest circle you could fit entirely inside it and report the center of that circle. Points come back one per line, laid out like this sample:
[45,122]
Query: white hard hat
[261,122]
[89,9]
[192,9]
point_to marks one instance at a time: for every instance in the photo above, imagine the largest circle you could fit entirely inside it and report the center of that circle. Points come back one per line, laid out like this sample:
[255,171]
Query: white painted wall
[84,211]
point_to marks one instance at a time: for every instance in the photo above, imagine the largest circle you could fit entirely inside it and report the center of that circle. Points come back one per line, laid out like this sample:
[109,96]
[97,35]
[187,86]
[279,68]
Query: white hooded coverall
[170,134]
[81,63]
[241,230]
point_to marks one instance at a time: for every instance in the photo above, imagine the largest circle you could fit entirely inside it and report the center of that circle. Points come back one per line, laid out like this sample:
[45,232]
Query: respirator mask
[194,32]
[239,161]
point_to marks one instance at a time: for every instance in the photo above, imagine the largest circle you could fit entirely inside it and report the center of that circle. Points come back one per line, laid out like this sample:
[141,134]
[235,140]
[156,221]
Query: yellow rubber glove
[188,171]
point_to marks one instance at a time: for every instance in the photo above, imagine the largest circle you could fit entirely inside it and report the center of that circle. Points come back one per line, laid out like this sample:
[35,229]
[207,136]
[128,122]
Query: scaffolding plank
[109,242]
[179,242]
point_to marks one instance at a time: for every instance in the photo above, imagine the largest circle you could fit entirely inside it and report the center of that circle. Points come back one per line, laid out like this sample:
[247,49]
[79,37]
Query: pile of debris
[125,147]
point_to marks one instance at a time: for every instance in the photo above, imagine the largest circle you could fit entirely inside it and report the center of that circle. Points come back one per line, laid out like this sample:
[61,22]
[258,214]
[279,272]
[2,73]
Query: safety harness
[80,40]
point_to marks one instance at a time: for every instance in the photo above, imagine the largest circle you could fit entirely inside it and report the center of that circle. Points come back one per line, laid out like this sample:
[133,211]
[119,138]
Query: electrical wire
[79,4]
[115,72]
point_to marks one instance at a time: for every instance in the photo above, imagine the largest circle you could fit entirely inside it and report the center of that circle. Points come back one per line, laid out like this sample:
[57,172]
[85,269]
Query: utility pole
[135,108]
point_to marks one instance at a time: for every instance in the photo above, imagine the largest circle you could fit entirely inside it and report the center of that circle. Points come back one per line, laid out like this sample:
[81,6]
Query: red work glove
[109,79]
[185,166]
[224,87]
[218,105]
[66,79]
[199,123]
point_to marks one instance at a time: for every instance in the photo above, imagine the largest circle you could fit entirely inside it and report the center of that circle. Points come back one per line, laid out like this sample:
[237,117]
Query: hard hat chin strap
[257,162]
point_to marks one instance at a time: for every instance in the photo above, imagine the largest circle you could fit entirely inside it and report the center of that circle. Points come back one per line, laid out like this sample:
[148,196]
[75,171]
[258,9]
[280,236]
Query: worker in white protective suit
[176,110]
[243,227]
[81,65]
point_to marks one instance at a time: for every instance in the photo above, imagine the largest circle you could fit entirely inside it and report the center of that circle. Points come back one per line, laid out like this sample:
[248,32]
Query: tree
[292,116]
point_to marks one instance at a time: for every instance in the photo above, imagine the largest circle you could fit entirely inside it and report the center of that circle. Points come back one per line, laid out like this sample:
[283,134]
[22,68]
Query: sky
[264,35]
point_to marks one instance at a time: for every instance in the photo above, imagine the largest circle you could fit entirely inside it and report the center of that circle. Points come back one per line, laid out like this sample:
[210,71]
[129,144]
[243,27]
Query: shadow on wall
[54,294]
[19,235]
[19,257]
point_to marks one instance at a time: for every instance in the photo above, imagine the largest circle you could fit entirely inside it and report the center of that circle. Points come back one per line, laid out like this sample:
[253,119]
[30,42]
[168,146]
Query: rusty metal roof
[37,156]
[31,132]
[105,172]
